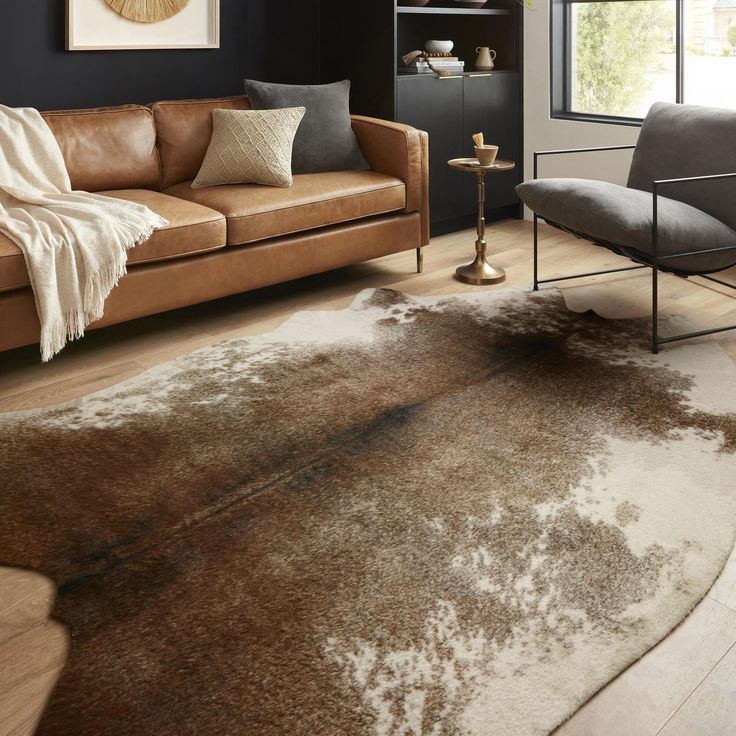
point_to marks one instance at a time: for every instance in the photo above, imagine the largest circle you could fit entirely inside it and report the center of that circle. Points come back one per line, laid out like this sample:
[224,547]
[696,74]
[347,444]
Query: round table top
[471,164]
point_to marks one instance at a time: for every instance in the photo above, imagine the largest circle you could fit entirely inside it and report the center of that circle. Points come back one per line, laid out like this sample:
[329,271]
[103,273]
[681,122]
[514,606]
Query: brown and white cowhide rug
[446,516]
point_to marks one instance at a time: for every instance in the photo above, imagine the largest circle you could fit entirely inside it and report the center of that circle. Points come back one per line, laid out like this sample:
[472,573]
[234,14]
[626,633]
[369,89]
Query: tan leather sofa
[228,239]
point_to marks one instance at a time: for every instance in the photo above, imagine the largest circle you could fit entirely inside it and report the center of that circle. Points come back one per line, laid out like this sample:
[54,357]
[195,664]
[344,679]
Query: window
[612,59]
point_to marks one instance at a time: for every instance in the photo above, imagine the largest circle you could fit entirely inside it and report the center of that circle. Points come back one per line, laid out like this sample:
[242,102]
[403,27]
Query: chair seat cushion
[256,212]
[621,219]
[192,229]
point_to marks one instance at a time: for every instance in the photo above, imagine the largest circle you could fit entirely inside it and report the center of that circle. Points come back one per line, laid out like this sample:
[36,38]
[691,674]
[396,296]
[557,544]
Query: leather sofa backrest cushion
[184,130]
[689,140]
[108,147]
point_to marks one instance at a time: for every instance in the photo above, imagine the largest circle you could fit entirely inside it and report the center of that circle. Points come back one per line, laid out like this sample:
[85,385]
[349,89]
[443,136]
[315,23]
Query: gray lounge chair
[684,151]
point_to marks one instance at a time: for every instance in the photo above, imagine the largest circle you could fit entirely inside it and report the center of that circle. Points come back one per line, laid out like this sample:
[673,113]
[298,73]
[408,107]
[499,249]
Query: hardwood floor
[686,686]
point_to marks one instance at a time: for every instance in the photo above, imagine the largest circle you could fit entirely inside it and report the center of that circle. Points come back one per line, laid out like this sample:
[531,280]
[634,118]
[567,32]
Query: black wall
[271,40]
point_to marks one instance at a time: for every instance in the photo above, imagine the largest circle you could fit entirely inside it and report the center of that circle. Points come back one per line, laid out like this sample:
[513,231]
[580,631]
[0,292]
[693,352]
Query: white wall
[541,132]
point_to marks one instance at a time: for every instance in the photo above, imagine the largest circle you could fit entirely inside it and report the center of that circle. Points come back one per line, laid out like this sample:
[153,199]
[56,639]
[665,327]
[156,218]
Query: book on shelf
[438,62]
[415,71]
[424,68]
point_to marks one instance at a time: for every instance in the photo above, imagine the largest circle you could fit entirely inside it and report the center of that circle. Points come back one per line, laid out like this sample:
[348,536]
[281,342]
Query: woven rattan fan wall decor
[104,25]
[148,11]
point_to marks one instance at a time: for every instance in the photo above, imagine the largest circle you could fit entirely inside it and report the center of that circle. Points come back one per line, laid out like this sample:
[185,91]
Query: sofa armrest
[401,151]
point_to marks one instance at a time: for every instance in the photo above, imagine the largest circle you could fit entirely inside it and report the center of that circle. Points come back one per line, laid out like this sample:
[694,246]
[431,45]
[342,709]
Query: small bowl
[486,155]
[439,47]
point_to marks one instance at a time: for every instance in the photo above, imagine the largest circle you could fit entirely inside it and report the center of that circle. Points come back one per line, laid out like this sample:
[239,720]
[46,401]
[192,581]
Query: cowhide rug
[418,516]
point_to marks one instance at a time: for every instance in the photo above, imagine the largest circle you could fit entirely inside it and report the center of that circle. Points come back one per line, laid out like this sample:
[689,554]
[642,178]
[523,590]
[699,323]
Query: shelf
[457,76]
[452,11]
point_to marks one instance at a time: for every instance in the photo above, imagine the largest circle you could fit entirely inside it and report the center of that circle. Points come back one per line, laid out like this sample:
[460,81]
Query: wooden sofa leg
[420,260]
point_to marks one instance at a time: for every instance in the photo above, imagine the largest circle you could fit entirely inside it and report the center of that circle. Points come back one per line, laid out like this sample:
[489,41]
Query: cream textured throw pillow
[250,147]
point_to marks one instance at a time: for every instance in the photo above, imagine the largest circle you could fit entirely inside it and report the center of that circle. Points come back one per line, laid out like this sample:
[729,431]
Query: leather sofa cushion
[256,212]
[108,147]
[184,129]
[13,273]
[621,219]
[192,229]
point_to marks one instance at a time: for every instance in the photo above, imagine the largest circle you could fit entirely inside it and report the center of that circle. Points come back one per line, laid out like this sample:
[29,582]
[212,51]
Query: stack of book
[450,64]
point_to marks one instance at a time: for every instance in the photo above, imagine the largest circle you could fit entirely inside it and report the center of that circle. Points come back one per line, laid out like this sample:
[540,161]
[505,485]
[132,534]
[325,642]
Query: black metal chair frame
[657,261]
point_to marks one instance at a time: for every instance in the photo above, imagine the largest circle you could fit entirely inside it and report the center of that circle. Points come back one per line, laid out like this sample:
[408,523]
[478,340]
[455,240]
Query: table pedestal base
[480,272]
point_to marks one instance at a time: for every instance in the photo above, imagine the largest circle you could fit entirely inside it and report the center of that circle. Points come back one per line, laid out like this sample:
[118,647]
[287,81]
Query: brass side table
[480,271]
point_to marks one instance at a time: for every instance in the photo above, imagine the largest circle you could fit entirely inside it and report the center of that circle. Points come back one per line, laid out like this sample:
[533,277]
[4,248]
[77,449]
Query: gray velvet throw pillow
[325,140]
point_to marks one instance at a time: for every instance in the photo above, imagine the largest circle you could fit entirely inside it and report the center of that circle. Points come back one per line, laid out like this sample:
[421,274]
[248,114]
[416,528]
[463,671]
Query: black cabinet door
[436,105]
[492,105]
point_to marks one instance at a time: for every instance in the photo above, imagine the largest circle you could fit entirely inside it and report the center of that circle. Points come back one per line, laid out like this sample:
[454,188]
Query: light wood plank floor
[686,686]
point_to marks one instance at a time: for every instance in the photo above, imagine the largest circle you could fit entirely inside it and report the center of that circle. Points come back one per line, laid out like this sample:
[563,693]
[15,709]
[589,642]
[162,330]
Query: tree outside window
[622,56]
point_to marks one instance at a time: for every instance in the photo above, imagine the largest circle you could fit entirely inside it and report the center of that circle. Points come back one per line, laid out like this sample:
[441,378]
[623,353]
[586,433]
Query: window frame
[560,51]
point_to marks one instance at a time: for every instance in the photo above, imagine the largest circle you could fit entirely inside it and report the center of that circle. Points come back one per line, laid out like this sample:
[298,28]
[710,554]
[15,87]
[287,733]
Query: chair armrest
[578,150]
[401,151]
[655,218]
[704,177]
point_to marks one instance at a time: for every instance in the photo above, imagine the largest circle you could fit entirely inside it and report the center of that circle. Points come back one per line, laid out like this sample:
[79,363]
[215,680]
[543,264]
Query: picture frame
[91,25]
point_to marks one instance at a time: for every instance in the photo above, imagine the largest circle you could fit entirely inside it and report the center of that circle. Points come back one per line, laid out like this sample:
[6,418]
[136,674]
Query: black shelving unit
[363,40]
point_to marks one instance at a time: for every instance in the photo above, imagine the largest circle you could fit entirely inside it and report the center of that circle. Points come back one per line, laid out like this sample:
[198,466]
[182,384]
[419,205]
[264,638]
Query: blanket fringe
[72,324]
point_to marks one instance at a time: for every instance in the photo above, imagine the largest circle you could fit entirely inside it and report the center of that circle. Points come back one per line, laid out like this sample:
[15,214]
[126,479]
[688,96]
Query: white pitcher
[486,57]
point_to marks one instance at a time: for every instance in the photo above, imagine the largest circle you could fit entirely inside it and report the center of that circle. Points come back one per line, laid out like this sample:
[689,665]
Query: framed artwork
[102,25]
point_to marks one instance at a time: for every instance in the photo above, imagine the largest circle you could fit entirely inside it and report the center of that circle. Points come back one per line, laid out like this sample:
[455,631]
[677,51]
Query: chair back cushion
[108,147]
[184,129]
[689,140]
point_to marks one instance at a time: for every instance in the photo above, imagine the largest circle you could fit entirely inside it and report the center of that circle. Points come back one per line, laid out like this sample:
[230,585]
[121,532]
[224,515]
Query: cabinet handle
[452,76]
[471,76]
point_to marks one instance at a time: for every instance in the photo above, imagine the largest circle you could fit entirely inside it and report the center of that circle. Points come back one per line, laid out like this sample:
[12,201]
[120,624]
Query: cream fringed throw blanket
[75,243]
